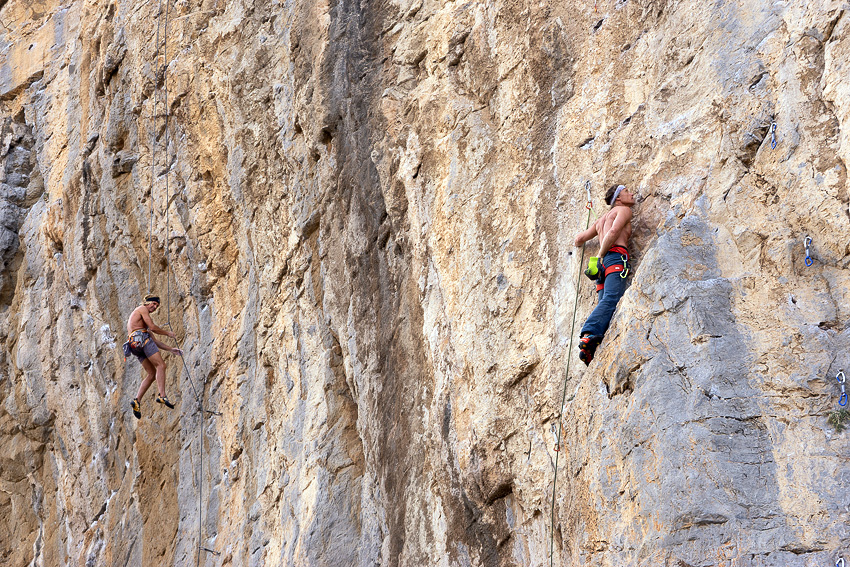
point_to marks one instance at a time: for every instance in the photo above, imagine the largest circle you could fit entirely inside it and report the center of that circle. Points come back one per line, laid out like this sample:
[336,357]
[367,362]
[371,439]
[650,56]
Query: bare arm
[152,326]
[623,217]
[585,235]
[165,347]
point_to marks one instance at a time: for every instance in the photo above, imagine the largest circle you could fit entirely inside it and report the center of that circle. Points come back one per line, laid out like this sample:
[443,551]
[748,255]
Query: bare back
[137,319]
[606,223]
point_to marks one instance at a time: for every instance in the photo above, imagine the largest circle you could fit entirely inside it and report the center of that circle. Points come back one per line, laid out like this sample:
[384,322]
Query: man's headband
[616,194]
[151,299]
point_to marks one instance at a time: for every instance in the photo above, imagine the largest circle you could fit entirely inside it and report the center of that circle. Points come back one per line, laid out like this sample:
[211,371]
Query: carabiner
[839,562]
[773,135]
[589,204]
[625,273]
[809,260]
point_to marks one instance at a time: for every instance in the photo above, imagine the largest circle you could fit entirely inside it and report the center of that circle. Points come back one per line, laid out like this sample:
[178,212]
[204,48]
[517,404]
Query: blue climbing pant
[609,296]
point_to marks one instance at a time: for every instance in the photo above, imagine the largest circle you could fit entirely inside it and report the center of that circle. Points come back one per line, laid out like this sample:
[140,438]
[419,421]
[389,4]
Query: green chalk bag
[592,270]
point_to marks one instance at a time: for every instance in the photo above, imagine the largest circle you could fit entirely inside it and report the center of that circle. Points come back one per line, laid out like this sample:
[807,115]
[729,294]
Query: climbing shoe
[137,408]
[587,347]
[165,401]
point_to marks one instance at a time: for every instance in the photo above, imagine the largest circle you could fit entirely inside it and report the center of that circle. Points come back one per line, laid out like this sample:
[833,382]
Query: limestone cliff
[365,248]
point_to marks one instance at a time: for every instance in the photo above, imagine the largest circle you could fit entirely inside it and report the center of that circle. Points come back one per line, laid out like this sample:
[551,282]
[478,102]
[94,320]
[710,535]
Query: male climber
[614,229]
[146,348]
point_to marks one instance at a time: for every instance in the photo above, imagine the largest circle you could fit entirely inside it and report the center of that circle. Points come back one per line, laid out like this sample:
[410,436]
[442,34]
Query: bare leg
[146,364]
[159,364]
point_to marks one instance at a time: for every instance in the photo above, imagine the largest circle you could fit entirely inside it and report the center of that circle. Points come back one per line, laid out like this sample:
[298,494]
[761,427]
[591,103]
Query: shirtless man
[146,348]
[614,229]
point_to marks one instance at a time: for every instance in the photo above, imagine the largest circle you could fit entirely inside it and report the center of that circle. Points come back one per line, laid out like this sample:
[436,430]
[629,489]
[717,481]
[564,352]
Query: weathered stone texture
[366,248]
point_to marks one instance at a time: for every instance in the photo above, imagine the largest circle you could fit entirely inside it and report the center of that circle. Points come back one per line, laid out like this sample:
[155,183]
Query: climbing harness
[589,207]
[139,338]
[773,135]
[624,258]
[136,342]
[622,269]
[842,400]
[809,260]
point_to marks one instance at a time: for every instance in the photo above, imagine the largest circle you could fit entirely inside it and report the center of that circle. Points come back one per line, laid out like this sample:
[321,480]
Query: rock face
[360,216]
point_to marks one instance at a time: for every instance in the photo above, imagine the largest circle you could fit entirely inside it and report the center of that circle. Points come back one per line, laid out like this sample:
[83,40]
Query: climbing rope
[809,260]
[167,193]
[198,397]
[203,411]
[589,207]
[153,144]
[162,42]
[842,400]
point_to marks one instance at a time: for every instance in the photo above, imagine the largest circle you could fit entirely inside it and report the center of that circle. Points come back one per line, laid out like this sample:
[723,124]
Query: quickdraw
[773,135]
[809,260]
[842,400]
[625,273]
[557,437]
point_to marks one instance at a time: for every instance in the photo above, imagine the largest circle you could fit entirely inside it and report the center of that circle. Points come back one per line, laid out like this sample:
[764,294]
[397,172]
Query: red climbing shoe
[587,347]
[165,401]
[137,408]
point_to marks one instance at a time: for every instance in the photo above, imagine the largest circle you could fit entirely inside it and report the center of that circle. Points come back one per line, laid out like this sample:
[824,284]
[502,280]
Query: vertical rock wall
[365,246]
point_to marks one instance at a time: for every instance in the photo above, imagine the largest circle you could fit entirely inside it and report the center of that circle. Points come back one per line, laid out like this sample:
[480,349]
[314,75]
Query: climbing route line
[153,147]
[161,66]
[589,207]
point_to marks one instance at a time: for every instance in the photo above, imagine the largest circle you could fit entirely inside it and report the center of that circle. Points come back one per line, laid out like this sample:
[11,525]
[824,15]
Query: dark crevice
[501,491]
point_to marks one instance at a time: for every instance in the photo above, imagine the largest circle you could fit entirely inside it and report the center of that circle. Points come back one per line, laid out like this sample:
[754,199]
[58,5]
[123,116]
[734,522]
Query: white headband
[617,194]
